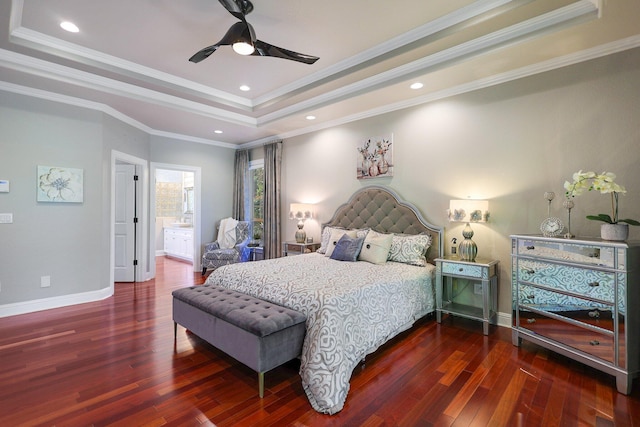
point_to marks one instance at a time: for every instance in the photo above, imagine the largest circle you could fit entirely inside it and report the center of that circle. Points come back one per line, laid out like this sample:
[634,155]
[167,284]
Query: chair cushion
[221,254]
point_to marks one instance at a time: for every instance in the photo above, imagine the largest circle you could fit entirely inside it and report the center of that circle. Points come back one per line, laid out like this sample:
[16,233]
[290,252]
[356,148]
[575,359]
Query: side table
[295,248]
[468,289]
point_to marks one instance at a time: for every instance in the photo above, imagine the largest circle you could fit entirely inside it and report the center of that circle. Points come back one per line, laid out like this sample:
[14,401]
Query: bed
[352,308]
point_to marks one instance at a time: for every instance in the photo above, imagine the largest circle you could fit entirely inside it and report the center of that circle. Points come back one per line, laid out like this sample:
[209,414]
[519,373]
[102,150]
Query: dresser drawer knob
[532,296]
[594,284]
[461,269]
[529,270]
[594,342]
[531,320]
[530,247]
[595,314]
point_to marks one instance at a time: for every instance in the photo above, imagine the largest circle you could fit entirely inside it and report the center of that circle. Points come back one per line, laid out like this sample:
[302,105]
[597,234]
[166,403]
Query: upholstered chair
[215,257]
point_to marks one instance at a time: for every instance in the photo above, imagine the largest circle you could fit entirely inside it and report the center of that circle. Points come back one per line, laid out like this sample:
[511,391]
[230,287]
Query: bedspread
[352,308]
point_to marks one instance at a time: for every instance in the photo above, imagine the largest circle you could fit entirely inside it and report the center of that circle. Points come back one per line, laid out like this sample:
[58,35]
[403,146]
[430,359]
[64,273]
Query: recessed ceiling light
[310,117]
[69,26]
[217,131]
[245,88]
[416,85]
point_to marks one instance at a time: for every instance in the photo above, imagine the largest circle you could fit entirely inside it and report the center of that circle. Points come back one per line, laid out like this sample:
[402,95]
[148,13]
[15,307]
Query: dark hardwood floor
[114,362]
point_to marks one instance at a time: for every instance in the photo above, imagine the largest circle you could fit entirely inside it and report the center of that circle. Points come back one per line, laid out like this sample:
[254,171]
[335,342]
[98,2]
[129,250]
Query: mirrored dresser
[580,298]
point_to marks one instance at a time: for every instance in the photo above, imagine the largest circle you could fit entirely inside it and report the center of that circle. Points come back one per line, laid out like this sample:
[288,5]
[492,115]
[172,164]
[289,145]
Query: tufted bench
[257,333]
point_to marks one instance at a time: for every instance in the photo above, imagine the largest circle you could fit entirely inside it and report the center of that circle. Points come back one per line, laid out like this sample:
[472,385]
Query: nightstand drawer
[466,270]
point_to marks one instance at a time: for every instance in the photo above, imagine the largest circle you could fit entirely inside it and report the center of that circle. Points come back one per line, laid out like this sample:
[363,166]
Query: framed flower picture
[57,184]
[375,159]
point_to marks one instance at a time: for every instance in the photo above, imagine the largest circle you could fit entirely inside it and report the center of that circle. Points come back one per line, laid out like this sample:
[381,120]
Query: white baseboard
[54,302]
[504,320]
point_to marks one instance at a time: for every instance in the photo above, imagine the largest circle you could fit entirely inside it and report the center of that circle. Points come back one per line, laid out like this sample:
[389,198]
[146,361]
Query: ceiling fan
[242,38]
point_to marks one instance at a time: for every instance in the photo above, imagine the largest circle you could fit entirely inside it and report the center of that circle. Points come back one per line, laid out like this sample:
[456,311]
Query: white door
[124,230]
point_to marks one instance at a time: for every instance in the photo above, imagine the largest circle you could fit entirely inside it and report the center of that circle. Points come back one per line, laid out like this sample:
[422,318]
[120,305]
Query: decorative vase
[383,166]
[615,232]
[366,164]
[373,169]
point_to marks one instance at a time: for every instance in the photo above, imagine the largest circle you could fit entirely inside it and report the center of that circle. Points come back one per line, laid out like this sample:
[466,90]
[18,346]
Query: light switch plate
[6,218]
[4,186]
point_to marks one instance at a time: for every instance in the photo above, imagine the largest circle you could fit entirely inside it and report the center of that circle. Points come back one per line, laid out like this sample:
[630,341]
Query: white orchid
[605,184]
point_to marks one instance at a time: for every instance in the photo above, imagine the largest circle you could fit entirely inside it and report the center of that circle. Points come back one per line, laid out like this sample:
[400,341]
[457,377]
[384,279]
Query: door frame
[142,207]
[197,191]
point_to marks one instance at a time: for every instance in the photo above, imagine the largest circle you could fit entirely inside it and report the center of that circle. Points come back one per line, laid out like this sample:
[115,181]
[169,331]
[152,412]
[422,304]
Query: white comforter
[352,308]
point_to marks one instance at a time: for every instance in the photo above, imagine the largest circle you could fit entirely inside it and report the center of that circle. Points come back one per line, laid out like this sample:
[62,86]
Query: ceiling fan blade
[266,49]
[204,53]
[238,8]
[239,30]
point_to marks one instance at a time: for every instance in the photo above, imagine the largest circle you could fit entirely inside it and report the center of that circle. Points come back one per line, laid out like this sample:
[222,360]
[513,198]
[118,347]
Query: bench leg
[175,331]
[261,384]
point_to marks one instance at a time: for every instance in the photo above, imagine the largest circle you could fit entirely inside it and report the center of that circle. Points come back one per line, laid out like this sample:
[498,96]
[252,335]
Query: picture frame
[375,157]
[60,184]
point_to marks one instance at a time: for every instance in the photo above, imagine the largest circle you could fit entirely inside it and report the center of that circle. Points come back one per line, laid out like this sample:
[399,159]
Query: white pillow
[324,238]
[375,248]
[336,234]
[410,249]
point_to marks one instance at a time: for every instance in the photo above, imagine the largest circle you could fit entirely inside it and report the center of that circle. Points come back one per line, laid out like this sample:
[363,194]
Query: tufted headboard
[382,210]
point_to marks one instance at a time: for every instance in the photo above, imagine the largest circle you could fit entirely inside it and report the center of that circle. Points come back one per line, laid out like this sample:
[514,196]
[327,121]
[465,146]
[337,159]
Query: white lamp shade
[300,211]
[468,210]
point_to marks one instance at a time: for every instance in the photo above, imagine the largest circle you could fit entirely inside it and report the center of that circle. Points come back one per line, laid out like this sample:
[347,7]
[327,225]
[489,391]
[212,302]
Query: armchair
[215,257]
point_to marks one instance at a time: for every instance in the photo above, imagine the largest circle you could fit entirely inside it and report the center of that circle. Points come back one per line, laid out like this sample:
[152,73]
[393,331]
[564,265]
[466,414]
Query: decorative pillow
[324,238]
[336,234]
[362,232]
[347,248]
[410,249]
[375,248]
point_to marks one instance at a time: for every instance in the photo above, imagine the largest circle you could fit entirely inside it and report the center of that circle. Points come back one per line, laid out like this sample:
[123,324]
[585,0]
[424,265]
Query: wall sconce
[301,212]
[468,211]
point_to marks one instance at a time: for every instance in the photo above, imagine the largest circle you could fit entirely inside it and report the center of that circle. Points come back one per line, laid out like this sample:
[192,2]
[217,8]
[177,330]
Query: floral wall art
[375,157]
[56,184]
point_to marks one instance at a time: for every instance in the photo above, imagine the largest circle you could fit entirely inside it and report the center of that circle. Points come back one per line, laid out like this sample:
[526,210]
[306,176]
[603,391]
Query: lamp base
[301,235]
[468,248]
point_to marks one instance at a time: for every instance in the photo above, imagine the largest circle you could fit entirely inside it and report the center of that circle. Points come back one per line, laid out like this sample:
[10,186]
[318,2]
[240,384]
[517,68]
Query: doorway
[128,243]
[175,208]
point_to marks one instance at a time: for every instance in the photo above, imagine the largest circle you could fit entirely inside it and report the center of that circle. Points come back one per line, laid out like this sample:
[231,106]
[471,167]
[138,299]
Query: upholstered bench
[257,333]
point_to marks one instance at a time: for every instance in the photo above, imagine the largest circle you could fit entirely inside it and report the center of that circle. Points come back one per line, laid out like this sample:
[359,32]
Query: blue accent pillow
[347,249]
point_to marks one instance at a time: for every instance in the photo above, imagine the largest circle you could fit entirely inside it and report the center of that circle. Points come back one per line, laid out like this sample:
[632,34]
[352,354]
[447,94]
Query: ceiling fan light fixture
[243,48]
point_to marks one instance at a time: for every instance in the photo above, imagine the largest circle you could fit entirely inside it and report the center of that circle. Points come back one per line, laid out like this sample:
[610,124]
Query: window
[256,201]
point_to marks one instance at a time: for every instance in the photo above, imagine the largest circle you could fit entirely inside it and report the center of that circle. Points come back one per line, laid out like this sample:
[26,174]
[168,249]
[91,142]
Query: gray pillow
[347,249]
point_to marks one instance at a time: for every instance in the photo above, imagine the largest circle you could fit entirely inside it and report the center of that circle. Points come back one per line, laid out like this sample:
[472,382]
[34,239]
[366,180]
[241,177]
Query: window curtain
[272,217]
[239,185]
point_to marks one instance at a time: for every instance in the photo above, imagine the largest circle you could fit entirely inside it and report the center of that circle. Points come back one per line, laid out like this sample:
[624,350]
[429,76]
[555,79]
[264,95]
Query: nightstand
[295,248]
[468,289]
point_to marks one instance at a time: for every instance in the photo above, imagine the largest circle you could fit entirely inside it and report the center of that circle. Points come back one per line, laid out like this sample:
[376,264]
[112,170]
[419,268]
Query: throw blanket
[352,308]
[227,233]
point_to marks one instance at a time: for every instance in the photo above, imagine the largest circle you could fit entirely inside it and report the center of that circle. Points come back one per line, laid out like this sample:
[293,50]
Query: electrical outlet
[477,288]
[45,281]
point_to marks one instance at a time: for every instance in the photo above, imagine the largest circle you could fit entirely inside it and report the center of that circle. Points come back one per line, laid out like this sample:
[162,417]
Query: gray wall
[508,144]
[71,242]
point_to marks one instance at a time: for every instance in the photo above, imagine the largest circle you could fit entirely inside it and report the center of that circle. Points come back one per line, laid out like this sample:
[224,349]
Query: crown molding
[530,70]
[38,67]
[96,106]
[441,24]
[518,32]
